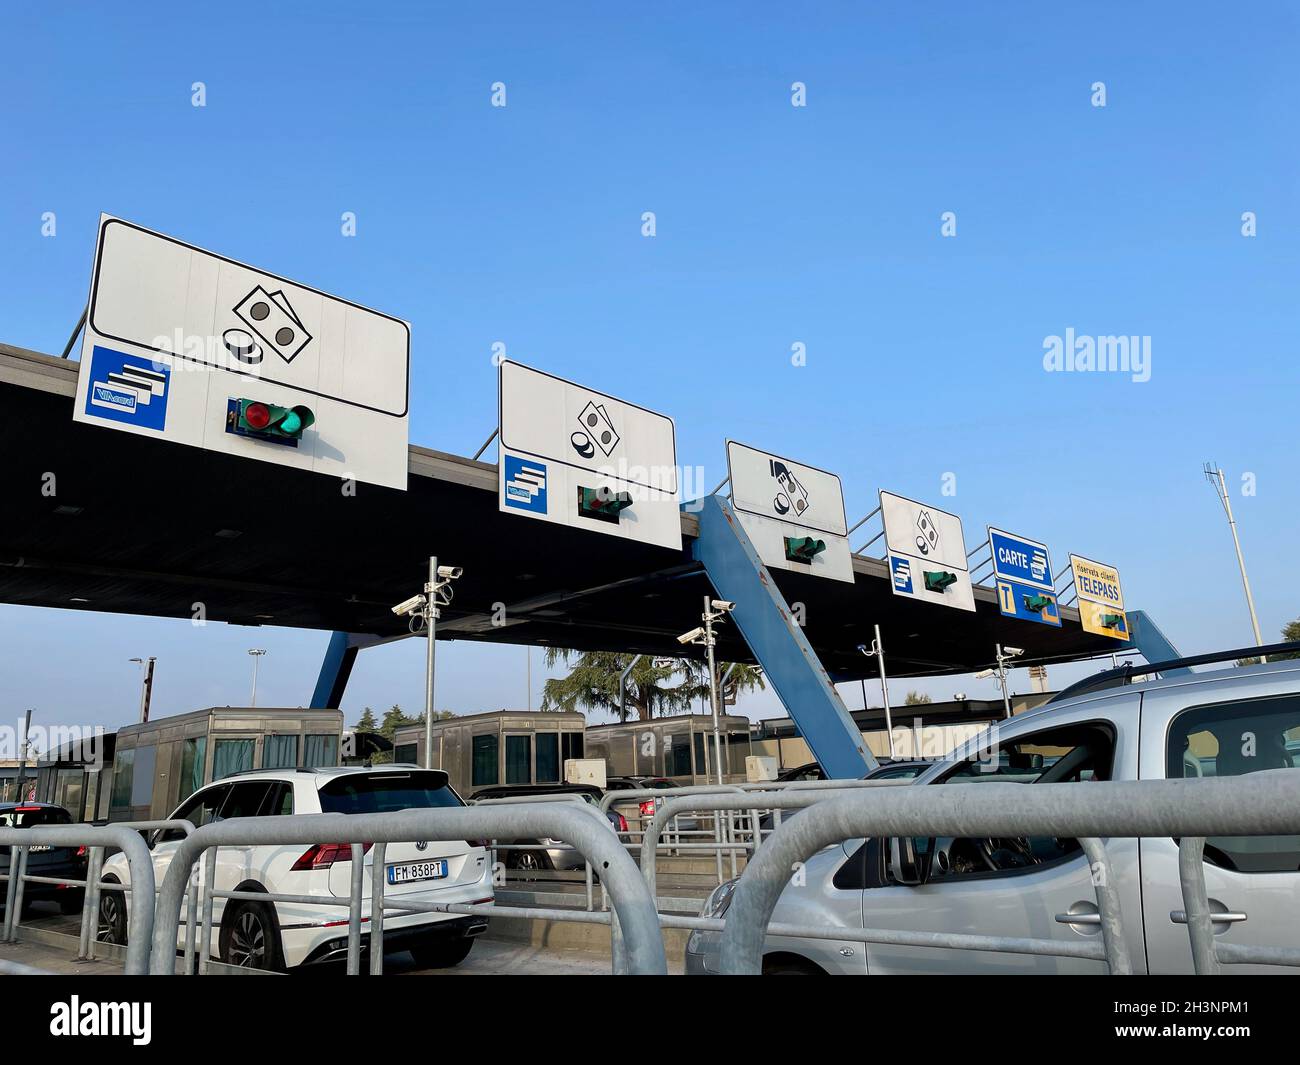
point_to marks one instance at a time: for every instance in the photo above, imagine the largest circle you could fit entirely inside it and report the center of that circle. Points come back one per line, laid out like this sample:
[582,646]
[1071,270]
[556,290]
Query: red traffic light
[257,415]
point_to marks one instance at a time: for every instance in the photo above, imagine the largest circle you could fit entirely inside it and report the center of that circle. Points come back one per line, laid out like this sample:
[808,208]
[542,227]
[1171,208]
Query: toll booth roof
[118,522]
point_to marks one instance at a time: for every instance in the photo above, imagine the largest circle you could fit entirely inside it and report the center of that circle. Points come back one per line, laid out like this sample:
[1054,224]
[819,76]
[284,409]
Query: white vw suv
[278,935]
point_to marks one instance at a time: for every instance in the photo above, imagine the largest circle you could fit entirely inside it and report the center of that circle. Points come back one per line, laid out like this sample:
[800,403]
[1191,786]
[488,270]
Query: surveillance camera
[864,649]
[410,606]
[450,573]
[724,604]
[984,674]
[1014,652]
[692,636]
[664,663]
[959,696]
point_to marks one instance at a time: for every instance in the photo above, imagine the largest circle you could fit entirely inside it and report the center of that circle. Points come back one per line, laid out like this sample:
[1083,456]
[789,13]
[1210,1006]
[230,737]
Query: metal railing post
[209,882]
[354,909]
[11,888]
[1196,905]
[377,885]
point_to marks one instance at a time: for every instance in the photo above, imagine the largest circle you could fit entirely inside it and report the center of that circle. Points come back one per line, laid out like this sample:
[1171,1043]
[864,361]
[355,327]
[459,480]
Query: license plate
[407,872]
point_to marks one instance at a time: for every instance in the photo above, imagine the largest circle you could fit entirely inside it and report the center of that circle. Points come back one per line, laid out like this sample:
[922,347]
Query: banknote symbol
[928,539]
[597,431]
[272,320]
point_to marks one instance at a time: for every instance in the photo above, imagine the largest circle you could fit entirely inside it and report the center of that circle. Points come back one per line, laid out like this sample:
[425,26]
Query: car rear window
[28,816]
[377,793]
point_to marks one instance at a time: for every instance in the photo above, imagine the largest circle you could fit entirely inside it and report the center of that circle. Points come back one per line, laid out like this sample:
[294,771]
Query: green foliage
[652,690]
[915,698]
[1290,634]
[367,722]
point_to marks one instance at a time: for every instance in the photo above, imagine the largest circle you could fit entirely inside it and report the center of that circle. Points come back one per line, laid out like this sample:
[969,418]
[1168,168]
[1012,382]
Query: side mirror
[907,864]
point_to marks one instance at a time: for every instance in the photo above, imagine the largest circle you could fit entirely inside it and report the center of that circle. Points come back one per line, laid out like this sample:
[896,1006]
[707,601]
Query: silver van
[1227,722]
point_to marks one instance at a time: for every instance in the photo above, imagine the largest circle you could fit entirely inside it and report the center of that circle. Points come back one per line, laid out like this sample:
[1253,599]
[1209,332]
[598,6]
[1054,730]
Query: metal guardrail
[582,828]
[91,836]
[1265,803]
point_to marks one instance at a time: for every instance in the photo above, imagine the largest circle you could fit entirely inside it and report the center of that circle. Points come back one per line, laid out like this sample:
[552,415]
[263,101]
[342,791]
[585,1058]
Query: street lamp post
[255,653]
[146,685]
[1215,476]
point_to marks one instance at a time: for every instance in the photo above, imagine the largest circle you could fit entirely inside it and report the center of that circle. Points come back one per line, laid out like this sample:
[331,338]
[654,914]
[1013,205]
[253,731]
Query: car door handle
[1078,918]
[1227,917]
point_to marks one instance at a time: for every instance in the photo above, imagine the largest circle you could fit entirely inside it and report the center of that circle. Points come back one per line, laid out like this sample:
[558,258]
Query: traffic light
[938,580]
[1038,603]
[803,549]
[602,504]
[266,421]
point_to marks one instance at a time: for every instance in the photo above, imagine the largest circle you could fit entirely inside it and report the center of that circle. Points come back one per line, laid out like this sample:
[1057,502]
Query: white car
[279,935]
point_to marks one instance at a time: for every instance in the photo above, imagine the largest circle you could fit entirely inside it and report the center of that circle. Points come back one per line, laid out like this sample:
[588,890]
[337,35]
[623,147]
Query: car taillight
[621,824]
[648,808]
[81,851]
[323,855]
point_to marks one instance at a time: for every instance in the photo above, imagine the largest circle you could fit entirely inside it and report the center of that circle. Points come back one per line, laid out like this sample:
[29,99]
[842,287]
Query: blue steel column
[1154,644]
[788,660]
[340,656]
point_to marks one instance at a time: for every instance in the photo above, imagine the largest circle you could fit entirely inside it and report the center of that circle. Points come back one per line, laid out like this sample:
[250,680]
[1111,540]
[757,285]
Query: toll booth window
[548,758]
[519,759]
[321,750]
[1233,740]
[677,759]
[142,781]
[406,753]
[123,771]
[280,752]
[485,760]
[701,760]
[231,756]
[194,756]
[571,745]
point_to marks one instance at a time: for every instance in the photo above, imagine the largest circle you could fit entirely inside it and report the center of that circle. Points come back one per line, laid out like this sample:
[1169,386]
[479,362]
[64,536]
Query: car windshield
[376,793]
[28,816]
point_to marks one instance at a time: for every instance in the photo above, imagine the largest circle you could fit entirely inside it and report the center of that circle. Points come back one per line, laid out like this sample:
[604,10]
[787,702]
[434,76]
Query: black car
[556,855]
[42,860]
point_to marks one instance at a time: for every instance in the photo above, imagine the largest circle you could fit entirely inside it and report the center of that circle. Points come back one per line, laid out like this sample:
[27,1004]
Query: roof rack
[1117,678]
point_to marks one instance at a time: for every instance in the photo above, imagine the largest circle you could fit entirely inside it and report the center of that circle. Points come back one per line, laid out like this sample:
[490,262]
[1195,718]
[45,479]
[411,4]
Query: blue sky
[776,225]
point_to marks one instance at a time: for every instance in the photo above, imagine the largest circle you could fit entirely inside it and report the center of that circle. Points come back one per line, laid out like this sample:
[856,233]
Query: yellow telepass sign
[1101,598]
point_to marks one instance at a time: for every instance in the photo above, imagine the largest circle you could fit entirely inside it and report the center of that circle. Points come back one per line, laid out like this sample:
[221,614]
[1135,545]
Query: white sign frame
[548,449]
[749,470]
[162,311]
[900,545]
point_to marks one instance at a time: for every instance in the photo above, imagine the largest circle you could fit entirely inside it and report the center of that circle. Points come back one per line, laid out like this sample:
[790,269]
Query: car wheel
[439,953]
[529,862]
[250,939]
[112,915]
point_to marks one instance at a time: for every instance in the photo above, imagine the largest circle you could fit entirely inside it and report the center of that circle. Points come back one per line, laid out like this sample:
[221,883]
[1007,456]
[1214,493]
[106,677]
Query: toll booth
[680,748]
[78,776]
[503,747]
[159,763]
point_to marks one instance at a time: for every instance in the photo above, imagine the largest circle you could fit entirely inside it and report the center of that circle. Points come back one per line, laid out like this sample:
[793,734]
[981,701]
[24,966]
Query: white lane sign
[180,343]
[792,513]
[926,552]
[578,457]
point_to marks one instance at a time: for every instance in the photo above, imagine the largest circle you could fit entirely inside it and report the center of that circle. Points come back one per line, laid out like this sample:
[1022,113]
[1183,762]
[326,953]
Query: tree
[367,722]
[1290,634]
[592,683]
[915,698]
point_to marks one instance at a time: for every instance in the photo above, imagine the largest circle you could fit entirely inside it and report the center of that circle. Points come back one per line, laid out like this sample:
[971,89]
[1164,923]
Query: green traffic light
[938,580]
[1038,603]
[803,548]
[267,421]
[602,504]
[1112,621]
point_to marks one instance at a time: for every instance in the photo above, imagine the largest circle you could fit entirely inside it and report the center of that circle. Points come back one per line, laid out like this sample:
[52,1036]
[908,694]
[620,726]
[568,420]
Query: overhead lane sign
[1101,598]
[182,344]
[792,513]
[1022,574]
[926,552]
[580,458]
